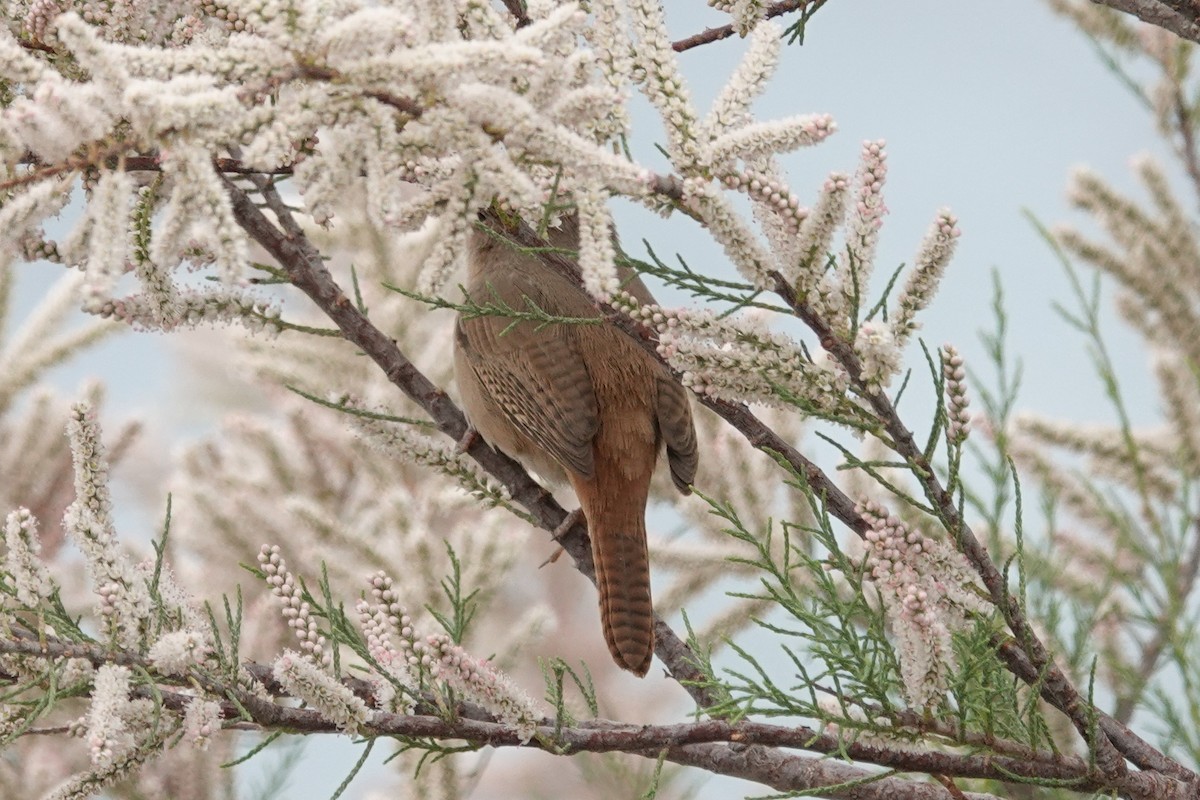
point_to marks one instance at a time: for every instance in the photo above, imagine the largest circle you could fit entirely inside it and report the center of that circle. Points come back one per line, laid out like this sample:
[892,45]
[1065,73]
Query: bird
[584,400]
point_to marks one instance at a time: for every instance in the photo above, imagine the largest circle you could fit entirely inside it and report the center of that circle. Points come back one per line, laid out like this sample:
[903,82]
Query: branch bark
[751,750]
[710,35]
[1177,16]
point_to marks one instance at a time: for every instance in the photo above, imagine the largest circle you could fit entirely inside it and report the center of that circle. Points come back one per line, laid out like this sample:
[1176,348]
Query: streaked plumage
[583,400]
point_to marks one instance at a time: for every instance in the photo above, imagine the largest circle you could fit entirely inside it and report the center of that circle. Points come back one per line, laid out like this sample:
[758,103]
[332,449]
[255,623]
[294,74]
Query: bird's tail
[623,577]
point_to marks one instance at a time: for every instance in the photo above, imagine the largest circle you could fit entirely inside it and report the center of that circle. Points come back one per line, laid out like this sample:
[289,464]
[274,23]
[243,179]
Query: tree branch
[1055,687]
[1177,16]
[742,749]
[778,9]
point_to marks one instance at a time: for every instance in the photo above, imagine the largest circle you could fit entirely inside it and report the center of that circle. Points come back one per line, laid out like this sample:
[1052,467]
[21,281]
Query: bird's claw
[468,439]
[563,527]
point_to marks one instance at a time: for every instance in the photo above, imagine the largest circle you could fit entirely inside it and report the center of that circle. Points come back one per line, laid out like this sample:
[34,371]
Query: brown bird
[583,399]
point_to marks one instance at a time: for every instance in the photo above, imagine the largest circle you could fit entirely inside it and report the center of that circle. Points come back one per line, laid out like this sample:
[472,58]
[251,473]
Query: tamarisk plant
[316,166]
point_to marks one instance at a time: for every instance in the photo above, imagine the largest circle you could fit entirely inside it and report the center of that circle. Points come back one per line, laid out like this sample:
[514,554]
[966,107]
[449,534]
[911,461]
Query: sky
[986,108]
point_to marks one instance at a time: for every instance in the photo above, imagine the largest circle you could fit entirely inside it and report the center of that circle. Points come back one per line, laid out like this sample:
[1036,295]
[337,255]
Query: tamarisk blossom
[922,283]
[739,359]
[402,661]
[856,262]
[107,736]
[395,663]
[480,682]
[808,259]
[335,701]
[1150,257]
[201,721]
[469,107]
[296,610]
[22,546]
[409,659]
[124,596]
[405,444]
[958,419]
[175,652]
[927,590]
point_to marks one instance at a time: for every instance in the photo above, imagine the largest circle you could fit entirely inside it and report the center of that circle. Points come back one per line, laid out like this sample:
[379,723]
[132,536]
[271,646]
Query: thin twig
[725,31]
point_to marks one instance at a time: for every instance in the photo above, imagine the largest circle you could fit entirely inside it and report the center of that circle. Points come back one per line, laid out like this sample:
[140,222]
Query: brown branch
[744,748]
[1161,14]
[1055,687]
[517,9]
[405,105]
[725,31]
[113,158]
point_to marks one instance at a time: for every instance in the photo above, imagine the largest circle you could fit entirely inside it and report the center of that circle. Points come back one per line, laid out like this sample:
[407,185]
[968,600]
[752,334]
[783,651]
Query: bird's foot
[568,522]
[468,439]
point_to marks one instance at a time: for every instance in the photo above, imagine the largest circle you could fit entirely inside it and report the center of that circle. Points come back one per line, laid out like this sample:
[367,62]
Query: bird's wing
[678,432]
[537,378]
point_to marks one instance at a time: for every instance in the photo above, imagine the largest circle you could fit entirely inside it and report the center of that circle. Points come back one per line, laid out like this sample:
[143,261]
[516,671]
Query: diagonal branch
[291,248]
[1177,16]
[1030,661]
[1118,742]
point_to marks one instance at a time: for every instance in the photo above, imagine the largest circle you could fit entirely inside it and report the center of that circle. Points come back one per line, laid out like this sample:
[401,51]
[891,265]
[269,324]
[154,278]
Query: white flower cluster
[379,620]
[399,93]
[106,729]
[740,360]
[808,258]
[178,651]
[932,259]
[302,678]
[480,682]
[844,282]
[958,419]
[878,354]
[456,98]
[927,590]
[403,661]
[438,658]
[746,13]
[143,612]
[29,575]
[857,261]
[406,444]
[162,307]
[295,609]
[201,720]
[123,589]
